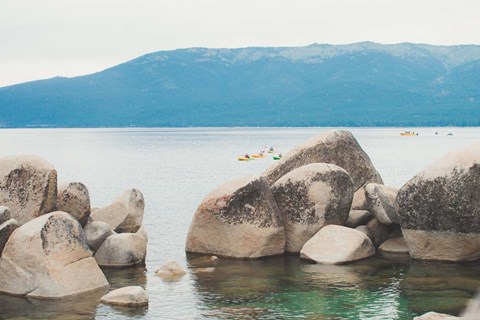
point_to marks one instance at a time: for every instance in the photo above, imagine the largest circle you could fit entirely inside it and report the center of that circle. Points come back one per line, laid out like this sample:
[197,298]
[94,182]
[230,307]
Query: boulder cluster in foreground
[326,201]
[52,244]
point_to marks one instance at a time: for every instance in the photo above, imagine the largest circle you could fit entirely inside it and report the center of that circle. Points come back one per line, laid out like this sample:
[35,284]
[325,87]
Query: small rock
[359,201]
[203,270]
[381,202]
[73,198]
[132,296]
[435,316]
[379,230]
[4,214]
[366,231]
[125,214]
[357,218]
[394,245]
[336,245]
[170,269]
[122,250]
[6,229]
[96,233]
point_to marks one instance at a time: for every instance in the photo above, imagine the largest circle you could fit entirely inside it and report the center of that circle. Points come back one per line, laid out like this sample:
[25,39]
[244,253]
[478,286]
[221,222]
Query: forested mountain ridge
[362,84]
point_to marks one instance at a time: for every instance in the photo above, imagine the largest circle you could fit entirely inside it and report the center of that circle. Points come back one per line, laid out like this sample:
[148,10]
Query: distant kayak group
[261,155]
[412,134]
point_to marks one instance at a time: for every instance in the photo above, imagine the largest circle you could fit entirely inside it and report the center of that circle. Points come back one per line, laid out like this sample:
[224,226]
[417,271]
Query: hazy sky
[45,38]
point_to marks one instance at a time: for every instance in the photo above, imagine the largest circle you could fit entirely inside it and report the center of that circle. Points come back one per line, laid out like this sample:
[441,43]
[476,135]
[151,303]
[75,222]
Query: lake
[176,168]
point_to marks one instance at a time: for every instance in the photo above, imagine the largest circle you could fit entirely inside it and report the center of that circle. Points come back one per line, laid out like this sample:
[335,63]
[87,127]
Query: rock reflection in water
[79,307]
[443,287]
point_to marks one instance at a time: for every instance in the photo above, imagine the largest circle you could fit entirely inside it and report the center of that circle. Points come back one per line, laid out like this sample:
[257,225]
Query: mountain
[362,84]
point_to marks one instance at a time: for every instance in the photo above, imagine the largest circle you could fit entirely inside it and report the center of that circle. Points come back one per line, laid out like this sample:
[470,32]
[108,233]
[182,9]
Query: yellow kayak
[258,156]
[243,159]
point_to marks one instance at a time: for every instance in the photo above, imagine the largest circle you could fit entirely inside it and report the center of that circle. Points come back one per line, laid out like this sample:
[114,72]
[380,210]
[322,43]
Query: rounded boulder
[239,219]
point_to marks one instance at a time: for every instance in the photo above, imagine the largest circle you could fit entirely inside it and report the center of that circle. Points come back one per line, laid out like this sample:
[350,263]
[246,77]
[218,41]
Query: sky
[46,38]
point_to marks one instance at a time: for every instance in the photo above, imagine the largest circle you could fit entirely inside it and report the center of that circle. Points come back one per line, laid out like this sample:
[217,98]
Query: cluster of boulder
[52,244]
[326,201]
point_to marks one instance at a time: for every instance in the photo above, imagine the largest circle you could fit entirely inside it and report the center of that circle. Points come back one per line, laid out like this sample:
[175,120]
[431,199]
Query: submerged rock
[28,186]
[239,219]
[48,258]
[336,245]
[122,250]
[170,269]
[311,197]
[125,214]
[132,296]
[73,198]
[439,209]
[336,147]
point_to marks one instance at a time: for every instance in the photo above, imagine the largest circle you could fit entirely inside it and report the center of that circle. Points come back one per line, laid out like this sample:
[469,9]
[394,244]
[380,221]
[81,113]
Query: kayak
[256,155]
[243,159]
[276,158]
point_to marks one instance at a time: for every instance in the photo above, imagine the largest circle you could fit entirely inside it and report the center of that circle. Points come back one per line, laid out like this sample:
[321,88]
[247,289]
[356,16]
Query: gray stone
[6,229]
[170,270]
[359,201]
[48,258]
[394,245]
[132,296]
[381,202]
[125,214]
[439,209]
[336,147]
[365,230]
[5,214]
[122,250]
[357,218]
[311,197]
[436,316]
[239,220]
[337,245]
[379,231]
[73,198]
[96,232]
[28,186]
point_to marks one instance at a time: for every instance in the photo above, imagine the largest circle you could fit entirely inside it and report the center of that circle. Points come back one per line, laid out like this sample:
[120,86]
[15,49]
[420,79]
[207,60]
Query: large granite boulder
[132,296]
[336,147]
[337,245]
[48,257]
[125,214]
[6,229]
[122,250]
[439,208]
[311,197]
[240,220]
[73,198]
[381,202]
[28,186]
[96,232]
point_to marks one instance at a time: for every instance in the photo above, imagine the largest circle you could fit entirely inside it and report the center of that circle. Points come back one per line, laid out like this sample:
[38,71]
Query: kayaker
[247,156]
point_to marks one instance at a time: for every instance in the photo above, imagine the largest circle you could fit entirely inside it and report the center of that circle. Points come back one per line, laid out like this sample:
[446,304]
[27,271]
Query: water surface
[176,168]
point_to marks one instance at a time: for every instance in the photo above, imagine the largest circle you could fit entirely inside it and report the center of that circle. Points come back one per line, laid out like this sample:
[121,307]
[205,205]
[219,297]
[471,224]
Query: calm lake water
[176,168]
